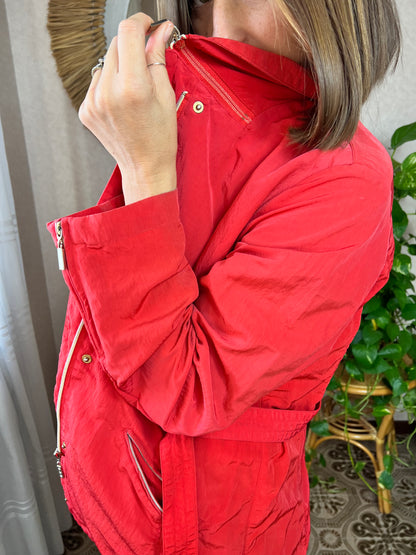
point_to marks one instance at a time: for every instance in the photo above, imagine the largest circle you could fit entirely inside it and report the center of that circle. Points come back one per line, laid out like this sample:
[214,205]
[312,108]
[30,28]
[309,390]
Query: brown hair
[349,46]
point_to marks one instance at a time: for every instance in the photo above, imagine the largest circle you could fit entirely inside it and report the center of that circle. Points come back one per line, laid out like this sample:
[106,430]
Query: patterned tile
[77,543]
[345,518]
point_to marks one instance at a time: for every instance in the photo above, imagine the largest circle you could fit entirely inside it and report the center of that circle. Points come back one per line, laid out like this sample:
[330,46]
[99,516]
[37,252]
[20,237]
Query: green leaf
[313,481]
[322,460]
[405,181]
[399,387]
[320,427]
[380,366]
[403,135]
[402,264]
[386,479]
[333,384]
[412,249]
[358,336]
[396,401]
[393,351]
[393,304]
[382,317]
[372,305]
[409,312]
[340,396]
[401,296]
[379,412]
[397,383]
[400,219]
[392,331]
[405,340]
[411,373]
[370,335]
[359,465]
[409,163]
[353,370]
[388,463]
[409,399]
[364,354]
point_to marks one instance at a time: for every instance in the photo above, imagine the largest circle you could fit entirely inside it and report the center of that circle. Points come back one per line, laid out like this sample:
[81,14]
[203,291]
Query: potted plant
[382,356]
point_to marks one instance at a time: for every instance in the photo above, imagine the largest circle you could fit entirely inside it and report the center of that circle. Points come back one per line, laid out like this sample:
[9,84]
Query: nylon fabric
[215,316]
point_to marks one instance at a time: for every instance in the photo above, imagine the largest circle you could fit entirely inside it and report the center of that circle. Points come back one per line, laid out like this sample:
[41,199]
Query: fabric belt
[180,515]
[265,425]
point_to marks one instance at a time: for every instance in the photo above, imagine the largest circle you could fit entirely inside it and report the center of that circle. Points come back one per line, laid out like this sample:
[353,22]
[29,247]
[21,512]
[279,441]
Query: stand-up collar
[251,61]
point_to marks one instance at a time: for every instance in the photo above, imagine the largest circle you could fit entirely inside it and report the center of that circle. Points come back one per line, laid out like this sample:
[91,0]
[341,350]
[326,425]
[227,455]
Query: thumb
[156,44]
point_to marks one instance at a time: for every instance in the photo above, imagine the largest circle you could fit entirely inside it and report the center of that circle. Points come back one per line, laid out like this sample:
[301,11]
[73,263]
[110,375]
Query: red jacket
[204,324]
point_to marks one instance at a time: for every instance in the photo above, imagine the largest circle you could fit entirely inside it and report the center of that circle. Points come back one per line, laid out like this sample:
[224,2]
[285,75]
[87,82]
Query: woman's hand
[130,108]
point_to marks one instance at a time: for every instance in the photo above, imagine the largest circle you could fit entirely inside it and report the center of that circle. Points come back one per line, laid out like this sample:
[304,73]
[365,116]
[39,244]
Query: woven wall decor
[76,29]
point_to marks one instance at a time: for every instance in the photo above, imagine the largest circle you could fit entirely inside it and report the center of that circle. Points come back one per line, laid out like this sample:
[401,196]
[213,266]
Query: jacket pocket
[150,479]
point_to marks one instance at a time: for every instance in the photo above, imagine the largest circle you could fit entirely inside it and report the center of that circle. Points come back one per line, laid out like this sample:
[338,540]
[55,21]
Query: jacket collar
[252,61]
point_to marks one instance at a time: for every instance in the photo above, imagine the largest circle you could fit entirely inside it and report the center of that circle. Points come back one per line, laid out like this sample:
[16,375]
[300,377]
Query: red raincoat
[204,324]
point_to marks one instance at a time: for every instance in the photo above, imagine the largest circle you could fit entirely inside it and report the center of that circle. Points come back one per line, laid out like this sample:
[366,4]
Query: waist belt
[180,516]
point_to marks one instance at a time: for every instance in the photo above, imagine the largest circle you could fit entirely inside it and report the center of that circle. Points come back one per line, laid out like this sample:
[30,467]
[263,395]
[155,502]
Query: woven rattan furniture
[356,431]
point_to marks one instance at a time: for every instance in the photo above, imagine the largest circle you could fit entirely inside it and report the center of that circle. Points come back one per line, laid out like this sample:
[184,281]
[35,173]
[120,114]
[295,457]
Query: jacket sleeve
[192,354]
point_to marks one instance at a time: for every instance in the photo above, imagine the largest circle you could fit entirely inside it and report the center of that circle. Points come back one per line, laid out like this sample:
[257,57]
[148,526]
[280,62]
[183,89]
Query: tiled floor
[344,517]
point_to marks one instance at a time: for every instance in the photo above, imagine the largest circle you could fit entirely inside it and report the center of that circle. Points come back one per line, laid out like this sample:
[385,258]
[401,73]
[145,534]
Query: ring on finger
[156,64]
[98,66]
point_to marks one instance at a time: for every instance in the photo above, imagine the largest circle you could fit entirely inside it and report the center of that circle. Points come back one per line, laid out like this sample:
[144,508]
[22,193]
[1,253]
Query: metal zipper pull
[180,100]
[58,455]
[60,249]
[175,37]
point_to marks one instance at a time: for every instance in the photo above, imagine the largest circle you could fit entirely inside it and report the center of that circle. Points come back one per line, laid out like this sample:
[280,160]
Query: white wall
[393,103]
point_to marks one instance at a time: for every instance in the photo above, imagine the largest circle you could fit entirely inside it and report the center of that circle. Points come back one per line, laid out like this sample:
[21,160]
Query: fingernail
[168,32]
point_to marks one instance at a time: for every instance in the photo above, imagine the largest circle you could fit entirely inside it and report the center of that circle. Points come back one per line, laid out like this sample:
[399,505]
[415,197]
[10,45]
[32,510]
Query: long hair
[349,45]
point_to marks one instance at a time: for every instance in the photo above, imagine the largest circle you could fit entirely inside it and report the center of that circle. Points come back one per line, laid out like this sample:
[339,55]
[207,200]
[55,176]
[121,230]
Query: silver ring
[100,65]
[156,64]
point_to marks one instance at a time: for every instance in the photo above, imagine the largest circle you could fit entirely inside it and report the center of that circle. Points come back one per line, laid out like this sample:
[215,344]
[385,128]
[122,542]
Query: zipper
[180,101]
[141,473]
[60,249]
[231,101]
[61,446]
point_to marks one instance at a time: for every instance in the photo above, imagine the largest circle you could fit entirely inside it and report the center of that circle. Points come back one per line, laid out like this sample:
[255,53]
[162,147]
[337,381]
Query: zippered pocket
[180,104]
[145,471]
[223,93]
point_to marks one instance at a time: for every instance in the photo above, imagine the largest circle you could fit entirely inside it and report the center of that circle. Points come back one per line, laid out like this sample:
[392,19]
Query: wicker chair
[355,431]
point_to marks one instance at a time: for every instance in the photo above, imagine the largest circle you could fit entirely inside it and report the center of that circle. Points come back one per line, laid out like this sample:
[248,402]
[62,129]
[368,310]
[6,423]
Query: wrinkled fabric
[215,316]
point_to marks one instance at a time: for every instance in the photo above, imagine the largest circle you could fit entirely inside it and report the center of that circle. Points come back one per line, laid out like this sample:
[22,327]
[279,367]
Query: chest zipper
[59,446]
[230,101]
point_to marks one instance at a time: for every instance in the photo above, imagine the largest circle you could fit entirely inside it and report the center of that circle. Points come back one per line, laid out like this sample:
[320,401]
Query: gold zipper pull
[60,249]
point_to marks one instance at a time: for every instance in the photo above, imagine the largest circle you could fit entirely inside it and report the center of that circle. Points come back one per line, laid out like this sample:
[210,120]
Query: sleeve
[192,354]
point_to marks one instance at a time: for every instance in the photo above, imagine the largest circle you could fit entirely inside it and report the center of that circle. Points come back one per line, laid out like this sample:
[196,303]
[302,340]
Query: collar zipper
[227,98]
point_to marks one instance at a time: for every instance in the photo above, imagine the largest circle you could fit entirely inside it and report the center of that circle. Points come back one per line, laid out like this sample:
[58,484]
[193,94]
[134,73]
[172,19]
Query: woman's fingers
[131,45]
[156,44]
[130,108]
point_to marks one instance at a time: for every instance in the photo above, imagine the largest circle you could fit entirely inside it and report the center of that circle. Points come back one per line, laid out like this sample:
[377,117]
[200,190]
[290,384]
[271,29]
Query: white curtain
[32,509]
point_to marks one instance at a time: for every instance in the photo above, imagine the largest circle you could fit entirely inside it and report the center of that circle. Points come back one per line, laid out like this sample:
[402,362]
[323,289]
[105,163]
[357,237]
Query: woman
[220,279]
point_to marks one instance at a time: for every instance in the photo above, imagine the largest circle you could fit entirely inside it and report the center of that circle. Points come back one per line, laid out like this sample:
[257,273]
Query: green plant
[384,348]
